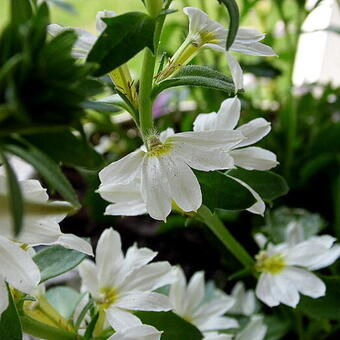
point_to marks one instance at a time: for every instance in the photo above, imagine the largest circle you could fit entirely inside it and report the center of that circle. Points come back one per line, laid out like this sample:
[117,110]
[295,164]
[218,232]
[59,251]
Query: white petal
[145,301]
[218,323]
[248,35]
[259,207]
[254,131]
[216,336]
[254,330]
[142,332]
[88,273]
[196,290]
[205,122]
[285,290]
[121,192]
[3,296]
[295,233]
[100,24]
[33,190]
[155,189]
[229,114]
[327,259]
[254,158]
[133,208]
[71,241]
[264,291]
[17,267]
[236,71]
[305,282]
[121,320]
[177,294]
[149,277]
[166,134]
[123,171]
[184,187]
[255,49]
[109,257]
[135,258]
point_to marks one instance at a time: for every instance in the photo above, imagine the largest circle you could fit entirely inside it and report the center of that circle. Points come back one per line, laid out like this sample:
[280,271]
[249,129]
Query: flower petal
[184,187]
[218,323]
[155,189]
[100,24]
[305,282]
[71,241]
[195,290]
[124,170]
[264,290]
[229,114]
[254,131]
[88,273]
[3,296]
[177,294]
[142,332]
[254,158]
[248,35]
[17,267]
[109,257]
[254,330]
[236,71]
[132,208]
[145,301]
[284,289]
[254,48]
[121,320]
[205,122]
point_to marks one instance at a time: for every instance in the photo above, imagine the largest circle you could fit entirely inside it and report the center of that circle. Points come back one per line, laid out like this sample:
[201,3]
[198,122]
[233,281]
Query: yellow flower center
[157,148]
[270,264]
[108,296]
[208,38]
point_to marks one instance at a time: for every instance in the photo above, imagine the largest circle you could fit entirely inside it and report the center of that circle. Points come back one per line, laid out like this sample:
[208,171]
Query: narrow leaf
[10,325]
[21,11]
[199,76]
[124,36]
[47,168]
[234,16]
[221,192]
[57,260]
[14,197]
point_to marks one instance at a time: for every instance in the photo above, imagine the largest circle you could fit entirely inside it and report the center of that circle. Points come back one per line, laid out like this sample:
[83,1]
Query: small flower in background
[39,227]
[17,269]
[142,332]
[205,32]
[245,301]
[190,302]
[120,284]
[286,268]
[164,167]
[244,156]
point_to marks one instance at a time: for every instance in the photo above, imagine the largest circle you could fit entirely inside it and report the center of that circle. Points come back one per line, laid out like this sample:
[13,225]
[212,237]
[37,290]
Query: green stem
[219,229]
[41,330]
[146,81]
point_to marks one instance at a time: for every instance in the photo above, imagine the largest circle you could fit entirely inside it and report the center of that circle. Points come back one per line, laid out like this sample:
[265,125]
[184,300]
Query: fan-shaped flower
[244,155]
[205,32]
[39,227]
[189,302]
[286,270]
[165,169]
[121,284]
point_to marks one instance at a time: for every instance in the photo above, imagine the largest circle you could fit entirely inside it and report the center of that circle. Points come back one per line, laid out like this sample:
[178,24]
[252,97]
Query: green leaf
[57,260]
[90,328]
[326,307]
[10,325]
[15,199]
[234,15]
[174,327]
[68,149]
[200,76]
[64,300]
[47,168]
[124,36]
[21,11]
[222,192]
[267,184]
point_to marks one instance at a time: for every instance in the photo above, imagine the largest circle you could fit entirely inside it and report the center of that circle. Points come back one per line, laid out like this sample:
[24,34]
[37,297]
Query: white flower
[189,302]
[285,270]
[245,302]
[121,284]
[38,228]
[244,156]
[18,269]
[142,332]
[85,40]
[254,330]
[205,32]
[165,169]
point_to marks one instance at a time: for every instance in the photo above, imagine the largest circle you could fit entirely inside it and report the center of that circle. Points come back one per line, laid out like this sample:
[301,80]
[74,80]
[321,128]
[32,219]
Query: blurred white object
[22,169]
[317,58]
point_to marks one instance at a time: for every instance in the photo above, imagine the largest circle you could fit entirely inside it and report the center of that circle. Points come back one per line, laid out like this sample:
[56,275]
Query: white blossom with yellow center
[159,174]
[286,270]
[121,284]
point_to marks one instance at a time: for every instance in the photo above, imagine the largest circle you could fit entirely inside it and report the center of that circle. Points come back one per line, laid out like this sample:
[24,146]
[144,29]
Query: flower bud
[154,7]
